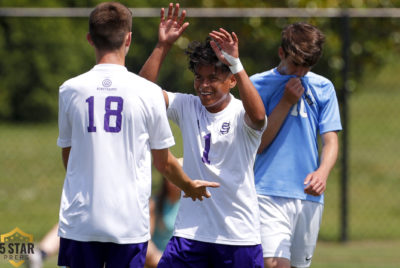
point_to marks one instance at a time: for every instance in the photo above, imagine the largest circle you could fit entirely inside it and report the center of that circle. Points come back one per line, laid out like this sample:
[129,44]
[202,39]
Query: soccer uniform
[281,168]
[217,147]
[111,119]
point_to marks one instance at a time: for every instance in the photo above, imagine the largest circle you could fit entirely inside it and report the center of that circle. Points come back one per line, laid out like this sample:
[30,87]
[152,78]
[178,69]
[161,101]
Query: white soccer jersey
[112,119]
[217,147]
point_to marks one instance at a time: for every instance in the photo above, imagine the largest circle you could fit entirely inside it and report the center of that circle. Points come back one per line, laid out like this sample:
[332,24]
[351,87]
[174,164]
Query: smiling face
[213,86]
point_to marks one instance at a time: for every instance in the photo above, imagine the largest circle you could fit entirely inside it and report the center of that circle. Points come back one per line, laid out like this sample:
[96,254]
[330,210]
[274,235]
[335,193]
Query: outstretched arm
[226,47]
[170,168]
[316,181]
[170,29]
[292,93]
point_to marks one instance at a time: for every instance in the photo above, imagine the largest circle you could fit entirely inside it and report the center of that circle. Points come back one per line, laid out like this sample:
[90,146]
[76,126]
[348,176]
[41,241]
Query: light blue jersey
[281,168]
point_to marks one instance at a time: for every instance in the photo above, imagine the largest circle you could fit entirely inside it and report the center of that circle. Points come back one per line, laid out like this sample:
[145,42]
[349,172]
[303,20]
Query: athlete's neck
[114,57]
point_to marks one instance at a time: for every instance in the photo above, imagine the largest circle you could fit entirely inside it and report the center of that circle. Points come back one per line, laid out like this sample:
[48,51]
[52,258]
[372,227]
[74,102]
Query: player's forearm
[275,121]
[251,100]
[170,168]
[330,149]
[152,66]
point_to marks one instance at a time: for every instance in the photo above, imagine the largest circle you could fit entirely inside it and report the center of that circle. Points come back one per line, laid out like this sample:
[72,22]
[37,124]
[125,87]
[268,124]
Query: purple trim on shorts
[182,252]
[77,254]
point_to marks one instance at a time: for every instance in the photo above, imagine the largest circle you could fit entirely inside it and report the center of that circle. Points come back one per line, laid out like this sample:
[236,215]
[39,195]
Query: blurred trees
[39,54]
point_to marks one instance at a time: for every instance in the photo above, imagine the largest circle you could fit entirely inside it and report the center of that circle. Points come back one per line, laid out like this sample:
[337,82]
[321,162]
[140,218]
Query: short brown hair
[303,43]
[202,54]
[109,22]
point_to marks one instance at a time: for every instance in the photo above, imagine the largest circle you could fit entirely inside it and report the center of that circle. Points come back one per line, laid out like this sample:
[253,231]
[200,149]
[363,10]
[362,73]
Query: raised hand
[198,189]
[171,27]
[224,41]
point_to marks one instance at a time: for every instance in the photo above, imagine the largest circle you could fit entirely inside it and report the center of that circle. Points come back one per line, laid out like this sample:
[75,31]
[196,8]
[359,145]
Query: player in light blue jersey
[221,135]
[289,174]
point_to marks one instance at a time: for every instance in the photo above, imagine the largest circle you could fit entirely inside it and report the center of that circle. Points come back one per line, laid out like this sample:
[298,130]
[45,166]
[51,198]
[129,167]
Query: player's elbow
[259,120]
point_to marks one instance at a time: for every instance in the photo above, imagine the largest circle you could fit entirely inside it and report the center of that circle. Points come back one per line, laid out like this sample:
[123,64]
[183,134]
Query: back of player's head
[202,54]
[302,42]
[109,22]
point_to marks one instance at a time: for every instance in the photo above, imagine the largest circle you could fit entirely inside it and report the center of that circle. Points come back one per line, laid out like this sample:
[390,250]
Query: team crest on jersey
[106,83]
[225,127]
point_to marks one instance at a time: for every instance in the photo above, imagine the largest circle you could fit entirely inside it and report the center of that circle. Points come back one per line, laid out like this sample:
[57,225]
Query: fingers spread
[170,11]
[176,12]
[183,15]
[162,14]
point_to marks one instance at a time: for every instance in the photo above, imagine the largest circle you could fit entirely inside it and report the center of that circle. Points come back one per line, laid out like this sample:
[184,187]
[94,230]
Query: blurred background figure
[163,210]
[48,246]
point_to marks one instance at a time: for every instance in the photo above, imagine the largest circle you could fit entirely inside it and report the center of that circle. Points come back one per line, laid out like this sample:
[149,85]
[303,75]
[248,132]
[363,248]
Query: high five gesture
[171,27]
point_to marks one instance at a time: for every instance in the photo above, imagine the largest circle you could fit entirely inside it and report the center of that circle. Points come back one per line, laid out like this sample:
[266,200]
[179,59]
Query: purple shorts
[181,252]
[77,254]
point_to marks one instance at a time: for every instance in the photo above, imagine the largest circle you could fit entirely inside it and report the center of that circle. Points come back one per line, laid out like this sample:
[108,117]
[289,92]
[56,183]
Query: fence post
[344,112]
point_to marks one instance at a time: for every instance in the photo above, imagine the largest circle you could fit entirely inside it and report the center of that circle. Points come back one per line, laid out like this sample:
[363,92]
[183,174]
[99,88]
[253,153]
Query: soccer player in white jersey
[290,177]
[111,122]
[221,135]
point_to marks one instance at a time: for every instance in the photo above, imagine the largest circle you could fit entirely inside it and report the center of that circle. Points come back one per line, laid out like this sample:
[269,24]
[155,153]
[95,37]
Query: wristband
[235,64]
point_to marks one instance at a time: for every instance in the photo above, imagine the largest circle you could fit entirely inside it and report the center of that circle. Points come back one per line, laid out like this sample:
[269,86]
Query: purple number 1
[117,113]
[207,142]
[91,127]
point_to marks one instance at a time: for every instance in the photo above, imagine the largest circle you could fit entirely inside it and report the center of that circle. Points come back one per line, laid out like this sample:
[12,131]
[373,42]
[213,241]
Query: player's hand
[171,27]
[229,43]
[316,183]
[293,91]
[198,189]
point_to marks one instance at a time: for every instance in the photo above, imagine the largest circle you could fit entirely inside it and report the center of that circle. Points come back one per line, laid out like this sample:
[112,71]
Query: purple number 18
[109,112]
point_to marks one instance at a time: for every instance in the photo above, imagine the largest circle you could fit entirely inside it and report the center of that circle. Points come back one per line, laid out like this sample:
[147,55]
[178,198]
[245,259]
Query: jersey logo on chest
[226,126]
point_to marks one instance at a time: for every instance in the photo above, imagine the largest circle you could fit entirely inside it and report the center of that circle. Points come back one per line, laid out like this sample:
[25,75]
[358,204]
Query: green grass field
[31,175]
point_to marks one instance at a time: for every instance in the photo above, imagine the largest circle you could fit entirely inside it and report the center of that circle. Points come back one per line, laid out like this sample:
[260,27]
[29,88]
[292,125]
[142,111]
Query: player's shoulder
[318,79]
[74,82]
[184,98]
[142,82]
[266,75]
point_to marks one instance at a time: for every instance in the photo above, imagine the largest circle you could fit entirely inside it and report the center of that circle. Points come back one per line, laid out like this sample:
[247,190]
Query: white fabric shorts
[289,228]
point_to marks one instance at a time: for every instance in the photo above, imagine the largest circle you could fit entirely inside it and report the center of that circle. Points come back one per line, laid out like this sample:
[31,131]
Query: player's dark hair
[109,22]
[303,43]
[202,54]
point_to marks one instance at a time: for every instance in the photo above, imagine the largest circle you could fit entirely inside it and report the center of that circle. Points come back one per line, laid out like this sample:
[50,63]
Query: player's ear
[232,81]
[89,38]
[281,53]
[128,39]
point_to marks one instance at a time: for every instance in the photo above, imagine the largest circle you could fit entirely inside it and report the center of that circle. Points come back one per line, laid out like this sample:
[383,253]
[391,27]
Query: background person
[290,177]
[163,210]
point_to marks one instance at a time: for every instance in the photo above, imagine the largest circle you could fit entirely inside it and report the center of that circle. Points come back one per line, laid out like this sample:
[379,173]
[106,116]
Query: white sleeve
[159,130]
[174,111]
[64,126]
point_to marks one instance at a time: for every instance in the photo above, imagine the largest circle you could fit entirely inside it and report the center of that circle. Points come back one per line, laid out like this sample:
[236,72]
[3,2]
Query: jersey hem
[306,198]
[105,239]
[218,241]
